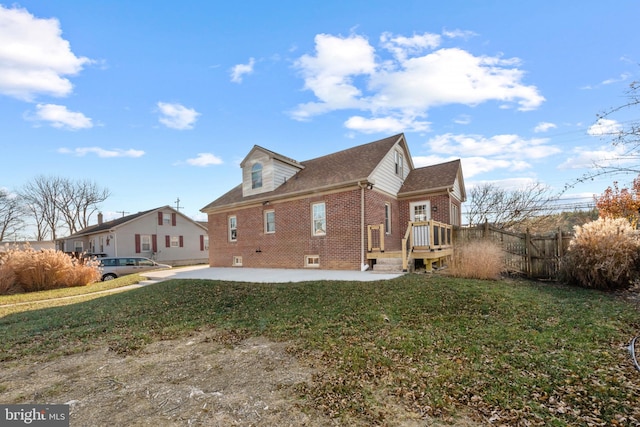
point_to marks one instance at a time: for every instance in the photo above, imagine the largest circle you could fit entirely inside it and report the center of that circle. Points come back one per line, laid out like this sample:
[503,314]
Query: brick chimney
[99,218]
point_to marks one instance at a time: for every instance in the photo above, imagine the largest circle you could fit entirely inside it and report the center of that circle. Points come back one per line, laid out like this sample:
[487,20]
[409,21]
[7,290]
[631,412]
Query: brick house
[347,210]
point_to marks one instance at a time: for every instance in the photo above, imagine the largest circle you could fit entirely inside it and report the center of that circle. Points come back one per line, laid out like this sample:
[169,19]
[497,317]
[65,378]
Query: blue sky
[159,100]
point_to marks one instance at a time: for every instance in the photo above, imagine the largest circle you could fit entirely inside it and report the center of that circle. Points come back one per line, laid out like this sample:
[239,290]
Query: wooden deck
[427,241]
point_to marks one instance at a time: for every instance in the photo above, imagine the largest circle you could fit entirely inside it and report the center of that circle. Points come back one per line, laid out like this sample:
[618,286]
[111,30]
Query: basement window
[237,261]
[312,261]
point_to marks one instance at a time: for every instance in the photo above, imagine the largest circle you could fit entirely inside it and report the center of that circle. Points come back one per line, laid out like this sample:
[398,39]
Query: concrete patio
[266,275]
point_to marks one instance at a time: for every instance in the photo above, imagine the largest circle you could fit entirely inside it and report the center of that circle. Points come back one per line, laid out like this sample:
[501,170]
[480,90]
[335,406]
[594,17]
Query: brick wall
[293,239]
[339,249]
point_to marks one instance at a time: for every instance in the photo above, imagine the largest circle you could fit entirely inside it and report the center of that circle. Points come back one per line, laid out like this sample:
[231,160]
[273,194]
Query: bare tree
[79,200]
[11,215]
[40,197]
[624,136]
[59,203]
[508,208]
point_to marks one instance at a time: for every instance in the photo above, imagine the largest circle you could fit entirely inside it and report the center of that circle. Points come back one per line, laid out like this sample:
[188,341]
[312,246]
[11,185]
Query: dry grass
[479,259]
[603,254]
[28,270]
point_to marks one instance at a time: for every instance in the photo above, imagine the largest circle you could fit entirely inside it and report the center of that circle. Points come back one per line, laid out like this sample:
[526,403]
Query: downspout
[363,266]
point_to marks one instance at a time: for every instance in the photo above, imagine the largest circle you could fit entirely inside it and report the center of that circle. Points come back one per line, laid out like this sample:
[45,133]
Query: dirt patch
[192,381]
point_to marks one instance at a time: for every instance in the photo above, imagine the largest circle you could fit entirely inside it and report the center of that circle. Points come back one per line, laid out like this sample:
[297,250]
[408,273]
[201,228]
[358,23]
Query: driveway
[266,275]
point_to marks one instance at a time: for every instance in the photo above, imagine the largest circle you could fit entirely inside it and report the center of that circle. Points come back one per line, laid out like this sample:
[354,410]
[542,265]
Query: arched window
[256,175]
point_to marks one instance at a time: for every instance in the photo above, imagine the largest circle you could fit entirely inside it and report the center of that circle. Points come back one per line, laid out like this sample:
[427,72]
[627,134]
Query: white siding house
[162,234]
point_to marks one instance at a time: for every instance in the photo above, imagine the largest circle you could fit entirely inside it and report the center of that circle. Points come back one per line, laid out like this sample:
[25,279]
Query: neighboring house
[162,234]
[347,210]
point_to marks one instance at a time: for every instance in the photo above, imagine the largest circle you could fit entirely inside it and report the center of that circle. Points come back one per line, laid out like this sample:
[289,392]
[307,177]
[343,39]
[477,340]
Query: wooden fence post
[527,251]
[560,243]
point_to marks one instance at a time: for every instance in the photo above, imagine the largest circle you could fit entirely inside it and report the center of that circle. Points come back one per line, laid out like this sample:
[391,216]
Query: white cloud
[604,127]
[177,116]
[348,73]
[238,71]
[205,159]
[472,166]
[386,124]
[401,46]
[34,58]
[330,73]
[482,155]
[101,152]
[499,146]
[544,127]
[604,156]
[463,119]
[509,183]
[621,78]
[60,117]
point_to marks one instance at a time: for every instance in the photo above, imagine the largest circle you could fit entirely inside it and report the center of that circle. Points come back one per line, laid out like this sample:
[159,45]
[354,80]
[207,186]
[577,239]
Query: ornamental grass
[603,254]
[480,259]
[28,270]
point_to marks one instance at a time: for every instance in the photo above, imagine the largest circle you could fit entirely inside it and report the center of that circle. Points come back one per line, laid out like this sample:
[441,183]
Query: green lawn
[501,351]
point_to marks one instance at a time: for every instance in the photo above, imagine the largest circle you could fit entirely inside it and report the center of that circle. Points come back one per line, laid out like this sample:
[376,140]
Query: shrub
[478,259]
[603,254]
[43,270]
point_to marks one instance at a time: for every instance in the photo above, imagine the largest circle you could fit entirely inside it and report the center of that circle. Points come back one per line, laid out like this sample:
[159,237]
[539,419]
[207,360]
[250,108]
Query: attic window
[399,161]
[256,176]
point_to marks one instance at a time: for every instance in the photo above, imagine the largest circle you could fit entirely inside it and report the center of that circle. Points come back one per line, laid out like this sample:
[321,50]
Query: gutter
[284,196]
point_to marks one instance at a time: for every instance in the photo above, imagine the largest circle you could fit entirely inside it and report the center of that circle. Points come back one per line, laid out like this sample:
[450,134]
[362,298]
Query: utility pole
[122,212]
[178,207]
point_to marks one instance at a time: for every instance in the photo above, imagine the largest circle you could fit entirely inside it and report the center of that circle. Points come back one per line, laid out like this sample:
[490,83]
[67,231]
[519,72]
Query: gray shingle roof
[333,170]
[107,225]
[433,177]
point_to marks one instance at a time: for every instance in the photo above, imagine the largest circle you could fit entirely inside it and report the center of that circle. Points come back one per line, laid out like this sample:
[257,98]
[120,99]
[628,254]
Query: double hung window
[319,219]
[233,229]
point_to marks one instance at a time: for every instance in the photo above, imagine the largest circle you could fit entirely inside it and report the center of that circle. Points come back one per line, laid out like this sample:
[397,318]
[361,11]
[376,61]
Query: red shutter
[137,238]
[201,242]
[159,218]
[174,218]
[181,242]
[154,242]
[167,241]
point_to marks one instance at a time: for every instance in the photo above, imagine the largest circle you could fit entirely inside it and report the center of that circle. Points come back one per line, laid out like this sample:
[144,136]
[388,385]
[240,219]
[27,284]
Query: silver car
[113,267]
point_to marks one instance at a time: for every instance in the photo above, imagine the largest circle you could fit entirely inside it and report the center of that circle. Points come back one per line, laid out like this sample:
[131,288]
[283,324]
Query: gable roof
[115,223]
[436,177]
[343,168]
[272,155]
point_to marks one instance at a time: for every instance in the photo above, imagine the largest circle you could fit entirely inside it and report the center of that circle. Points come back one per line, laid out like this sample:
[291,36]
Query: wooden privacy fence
[533,255]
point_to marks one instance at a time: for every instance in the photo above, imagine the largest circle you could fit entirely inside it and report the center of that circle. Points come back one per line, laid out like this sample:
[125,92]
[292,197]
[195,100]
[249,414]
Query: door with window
[420,212]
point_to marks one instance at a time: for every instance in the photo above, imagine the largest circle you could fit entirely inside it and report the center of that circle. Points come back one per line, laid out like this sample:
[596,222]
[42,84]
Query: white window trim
[399,164]
[256,170]
[174,242]
[145,239]
[266,213]
[387,218]
[233,237]
[237,261]
[312,261]
[314,232]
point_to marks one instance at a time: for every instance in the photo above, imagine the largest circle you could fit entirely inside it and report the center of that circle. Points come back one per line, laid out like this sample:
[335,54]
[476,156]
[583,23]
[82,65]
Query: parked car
[113,267]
